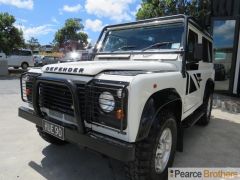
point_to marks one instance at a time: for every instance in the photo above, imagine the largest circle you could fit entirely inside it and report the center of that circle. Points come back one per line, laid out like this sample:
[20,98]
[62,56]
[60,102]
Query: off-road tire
[143,167]
[24,65]
[49,138]
[207,101]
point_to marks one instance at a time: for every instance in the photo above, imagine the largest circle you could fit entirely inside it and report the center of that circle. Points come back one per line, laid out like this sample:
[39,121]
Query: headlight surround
[26,81]
[106,102]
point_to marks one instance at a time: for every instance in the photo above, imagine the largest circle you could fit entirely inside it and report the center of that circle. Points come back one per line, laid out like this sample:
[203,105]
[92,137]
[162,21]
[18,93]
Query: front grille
[56,97]
[56,101]
[82,96]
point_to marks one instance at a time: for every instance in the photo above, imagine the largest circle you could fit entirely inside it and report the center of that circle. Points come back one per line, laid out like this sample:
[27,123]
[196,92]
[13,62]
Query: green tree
[72,31]
[10,36]
[155,8]
[33,43]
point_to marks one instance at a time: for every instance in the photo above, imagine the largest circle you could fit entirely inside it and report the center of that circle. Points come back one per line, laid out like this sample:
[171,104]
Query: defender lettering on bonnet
[61,69]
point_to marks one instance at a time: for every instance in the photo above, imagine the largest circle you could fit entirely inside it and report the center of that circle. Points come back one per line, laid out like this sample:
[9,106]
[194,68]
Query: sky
[42,18]
[223,33]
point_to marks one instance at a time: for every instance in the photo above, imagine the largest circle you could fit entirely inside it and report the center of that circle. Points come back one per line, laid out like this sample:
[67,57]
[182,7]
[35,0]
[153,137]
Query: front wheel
[156,153]
[24,66]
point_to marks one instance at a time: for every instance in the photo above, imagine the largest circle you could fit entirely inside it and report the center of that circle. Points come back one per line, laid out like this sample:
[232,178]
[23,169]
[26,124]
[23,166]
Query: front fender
[142,88]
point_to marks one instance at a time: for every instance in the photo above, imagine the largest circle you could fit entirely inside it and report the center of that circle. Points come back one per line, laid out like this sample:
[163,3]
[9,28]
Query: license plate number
[53,129]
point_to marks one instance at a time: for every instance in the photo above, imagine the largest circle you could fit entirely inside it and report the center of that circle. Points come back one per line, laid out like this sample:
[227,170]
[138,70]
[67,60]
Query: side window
[207,50]
[192,42]
[21,53]
[15,52]
[26,53]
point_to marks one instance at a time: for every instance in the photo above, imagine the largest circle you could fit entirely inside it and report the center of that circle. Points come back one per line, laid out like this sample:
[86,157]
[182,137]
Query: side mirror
[198,52]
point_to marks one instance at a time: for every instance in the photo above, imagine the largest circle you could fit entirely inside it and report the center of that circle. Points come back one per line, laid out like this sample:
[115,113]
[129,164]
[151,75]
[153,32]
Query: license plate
[53,129]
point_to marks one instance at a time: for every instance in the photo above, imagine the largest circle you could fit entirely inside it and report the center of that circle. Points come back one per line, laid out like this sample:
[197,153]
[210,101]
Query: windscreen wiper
[125,48]
[156,45]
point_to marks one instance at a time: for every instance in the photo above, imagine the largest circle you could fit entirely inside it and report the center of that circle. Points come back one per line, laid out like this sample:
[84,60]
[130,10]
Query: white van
[20,58]
[2,56]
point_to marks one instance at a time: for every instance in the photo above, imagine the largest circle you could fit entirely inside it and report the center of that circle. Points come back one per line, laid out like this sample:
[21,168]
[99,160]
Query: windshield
[168,36]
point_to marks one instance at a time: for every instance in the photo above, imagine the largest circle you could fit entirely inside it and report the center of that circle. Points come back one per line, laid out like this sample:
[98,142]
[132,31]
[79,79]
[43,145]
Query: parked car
[20,58]
[2,56]
[71,57]
[49,60]
[36,51]
[80,55]
[220,72]
[38,60]
[47,48]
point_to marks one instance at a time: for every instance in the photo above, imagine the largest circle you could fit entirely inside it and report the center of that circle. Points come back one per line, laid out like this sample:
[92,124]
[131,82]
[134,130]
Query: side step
[192,119]
[188,122]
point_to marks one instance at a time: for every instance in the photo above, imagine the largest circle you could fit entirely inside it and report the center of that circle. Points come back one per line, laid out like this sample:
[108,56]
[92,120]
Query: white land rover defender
[148,81]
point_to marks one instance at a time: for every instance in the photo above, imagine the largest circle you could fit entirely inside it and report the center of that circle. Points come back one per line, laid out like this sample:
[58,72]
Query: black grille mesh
[56,97]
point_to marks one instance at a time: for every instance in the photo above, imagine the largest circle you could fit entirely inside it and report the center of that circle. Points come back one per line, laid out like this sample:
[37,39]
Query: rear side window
[192,42]
[26,53]
[207,50]
[15,52]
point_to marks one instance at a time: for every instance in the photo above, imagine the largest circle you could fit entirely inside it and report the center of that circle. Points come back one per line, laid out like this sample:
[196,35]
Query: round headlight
[106,102]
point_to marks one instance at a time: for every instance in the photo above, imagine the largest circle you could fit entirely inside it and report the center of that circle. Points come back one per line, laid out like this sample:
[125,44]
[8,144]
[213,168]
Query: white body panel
[141,89]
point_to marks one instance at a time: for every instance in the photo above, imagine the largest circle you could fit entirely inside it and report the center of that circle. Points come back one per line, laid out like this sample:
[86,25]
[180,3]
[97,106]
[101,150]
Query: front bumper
[106,145]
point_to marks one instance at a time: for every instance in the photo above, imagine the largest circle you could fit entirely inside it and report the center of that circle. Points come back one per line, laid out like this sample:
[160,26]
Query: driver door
[193,77]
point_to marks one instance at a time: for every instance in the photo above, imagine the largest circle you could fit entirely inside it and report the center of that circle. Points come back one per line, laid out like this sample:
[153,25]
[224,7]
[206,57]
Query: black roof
[179,16]
[186,18]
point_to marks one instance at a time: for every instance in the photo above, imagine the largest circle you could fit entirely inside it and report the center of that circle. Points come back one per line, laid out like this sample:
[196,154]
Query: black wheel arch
[209,87]
[163,99]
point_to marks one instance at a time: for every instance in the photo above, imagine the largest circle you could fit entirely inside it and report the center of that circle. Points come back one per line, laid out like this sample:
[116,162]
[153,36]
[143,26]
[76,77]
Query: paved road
[24,155]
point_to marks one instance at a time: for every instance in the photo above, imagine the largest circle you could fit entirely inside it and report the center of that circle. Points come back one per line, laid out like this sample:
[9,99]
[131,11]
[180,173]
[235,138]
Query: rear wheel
[207,109]
[155,154]
[24,65]
[49,138]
